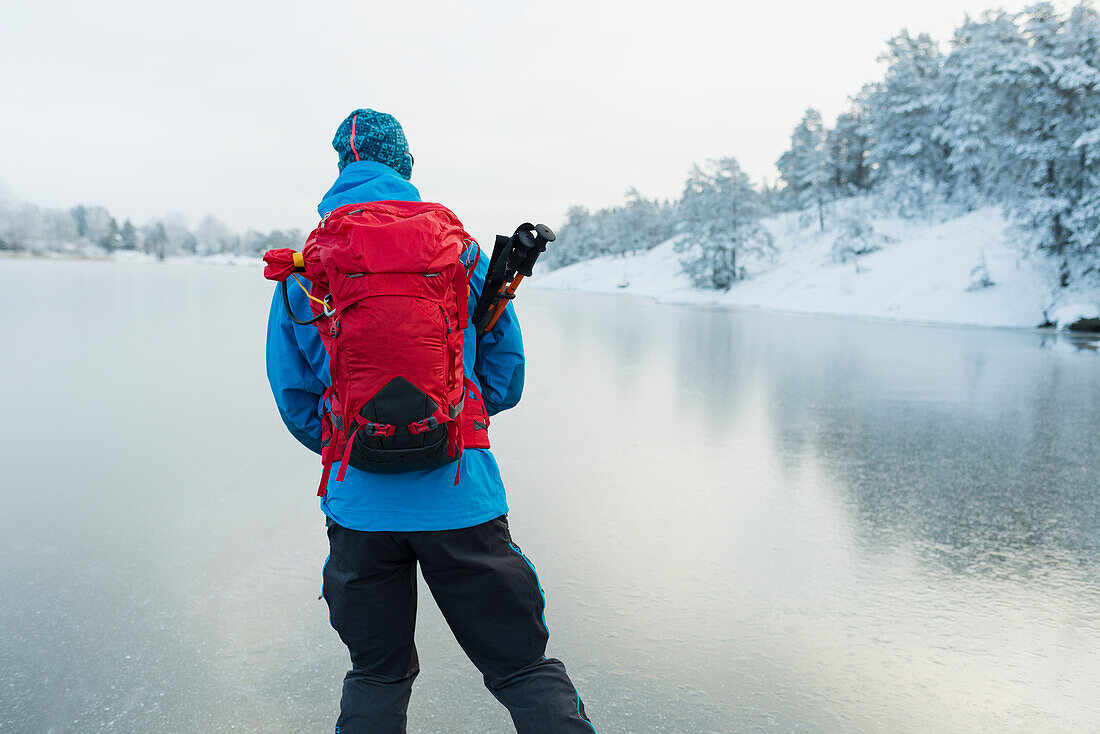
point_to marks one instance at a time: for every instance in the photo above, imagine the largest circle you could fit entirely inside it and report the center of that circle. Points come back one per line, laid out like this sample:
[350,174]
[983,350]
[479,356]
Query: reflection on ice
[1072,342]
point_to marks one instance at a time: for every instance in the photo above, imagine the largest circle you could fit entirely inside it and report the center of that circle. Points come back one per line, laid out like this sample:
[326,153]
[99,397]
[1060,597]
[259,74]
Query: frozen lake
[743,521]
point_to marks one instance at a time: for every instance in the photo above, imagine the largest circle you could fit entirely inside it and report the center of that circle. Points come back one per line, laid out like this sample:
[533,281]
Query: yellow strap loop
[304,289]
[299,261]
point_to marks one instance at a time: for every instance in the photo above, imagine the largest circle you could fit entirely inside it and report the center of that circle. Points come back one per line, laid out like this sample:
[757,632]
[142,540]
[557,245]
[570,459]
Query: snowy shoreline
[126,256]
[924,273]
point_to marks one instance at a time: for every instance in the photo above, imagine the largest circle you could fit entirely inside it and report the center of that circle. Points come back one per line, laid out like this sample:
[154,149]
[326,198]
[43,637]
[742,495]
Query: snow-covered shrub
[980,277]
[720,215]
[855,237]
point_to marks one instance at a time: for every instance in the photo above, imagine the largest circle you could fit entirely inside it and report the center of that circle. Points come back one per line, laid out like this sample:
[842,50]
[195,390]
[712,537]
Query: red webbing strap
[457,427]
[462,284]
[471,439]
[326,461]
[471,385]
[347,453]
[327,452]
[376,429]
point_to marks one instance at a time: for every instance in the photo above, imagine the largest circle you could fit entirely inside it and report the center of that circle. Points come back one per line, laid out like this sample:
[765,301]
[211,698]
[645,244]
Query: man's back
[298,370]
[381,527]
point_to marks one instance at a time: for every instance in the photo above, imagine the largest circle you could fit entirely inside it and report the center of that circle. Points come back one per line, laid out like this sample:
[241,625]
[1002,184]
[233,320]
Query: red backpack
[389,298]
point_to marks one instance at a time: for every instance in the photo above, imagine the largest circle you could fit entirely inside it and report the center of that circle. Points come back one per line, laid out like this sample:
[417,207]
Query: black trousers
[491,598]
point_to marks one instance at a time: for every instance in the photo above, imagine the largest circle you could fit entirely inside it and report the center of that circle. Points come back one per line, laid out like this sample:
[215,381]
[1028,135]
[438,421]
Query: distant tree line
[92,230]
[638,225]
[1008,114]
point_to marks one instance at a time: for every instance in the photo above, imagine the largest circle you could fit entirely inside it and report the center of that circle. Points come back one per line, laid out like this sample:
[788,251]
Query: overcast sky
[513,110]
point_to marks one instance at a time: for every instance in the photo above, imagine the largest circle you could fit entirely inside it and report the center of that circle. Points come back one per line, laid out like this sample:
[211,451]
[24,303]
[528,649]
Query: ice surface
[743,521]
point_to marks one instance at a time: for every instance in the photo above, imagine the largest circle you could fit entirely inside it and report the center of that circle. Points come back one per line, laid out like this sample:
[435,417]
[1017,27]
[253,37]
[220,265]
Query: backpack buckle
[428,424]
[378,429]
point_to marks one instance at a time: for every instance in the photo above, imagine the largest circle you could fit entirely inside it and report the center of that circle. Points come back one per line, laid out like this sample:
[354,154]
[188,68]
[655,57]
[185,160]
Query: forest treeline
[1007,113]
[92,230]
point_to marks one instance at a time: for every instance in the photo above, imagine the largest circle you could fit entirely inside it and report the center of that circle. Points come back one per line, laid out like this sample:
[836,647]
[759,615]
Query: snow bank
[1076,315]
[937,272]
[131,256]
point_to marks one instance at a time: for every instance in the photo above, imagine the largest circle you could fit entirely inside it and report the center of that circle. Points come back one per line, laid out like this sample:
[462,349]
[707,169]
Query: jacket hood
[365,181]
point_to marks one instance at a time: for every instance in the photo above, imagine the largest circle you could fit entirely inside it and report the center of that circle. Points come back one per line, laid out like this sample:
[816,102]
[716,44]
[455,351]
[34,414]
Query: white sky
[513,110]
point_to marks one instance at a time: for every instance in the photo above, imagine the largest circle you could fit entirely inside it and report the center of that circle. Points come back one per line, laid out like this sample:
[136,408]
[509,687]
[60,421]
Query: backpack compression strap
[370,428]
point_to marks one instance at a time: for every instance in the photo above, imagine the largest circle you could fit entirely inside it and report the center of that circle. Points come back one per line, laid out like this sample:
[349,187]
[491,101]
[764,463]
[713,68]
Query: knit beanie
[366,135]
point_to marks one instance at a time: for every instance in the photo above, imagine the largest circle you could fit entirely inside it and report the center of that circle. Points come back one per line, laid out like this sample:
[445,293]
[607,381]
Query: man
[452,522]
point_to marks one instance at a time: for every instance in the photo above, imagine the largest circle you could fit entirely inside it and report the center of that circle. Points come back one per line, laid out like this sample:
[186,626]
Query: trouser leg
[370,587]
[491,598]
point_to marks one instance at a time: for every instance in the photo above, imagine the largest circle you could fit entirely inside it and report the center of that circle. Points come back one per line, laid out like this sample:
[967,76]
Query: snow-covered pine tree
[155,239]
[805,166]
[571,245]
[1082,35]
[1052,123]
[128,236]
[639,225]
[109,238]
[905,109]
[58,230]
[645,223]
[80,217]
[720,219]
[602,235]
[180,241]
[980,85]
[211,236]
[772,196]
[100,228]
[846,146]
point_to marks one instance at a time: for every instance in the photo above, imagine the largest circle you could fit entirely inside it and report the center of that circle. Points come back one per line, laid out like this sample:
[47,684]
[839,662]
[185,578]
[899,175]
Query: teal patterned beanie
[366,135]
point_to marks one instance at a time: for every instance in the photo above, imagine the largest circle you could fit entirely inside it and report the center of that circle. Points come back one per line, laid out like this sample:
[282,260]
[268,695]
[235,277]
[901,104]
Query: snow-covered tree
[80,229]
[128,236]
[643,223]
[101,228]
[1053,124]
[23,228]
[856,237]
[212,236]
[572,238]
[80,218]
[155,239]
[59,230]
[904,114]
[179,240]
[805,166]
[846,149]
[639,225]
[981,81]
[720,219]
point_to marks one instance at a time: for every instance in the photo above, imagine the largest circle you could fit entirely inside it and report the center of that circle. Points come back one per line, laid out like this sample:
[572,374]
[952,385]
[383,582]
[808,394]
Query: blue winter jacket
[297,368]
